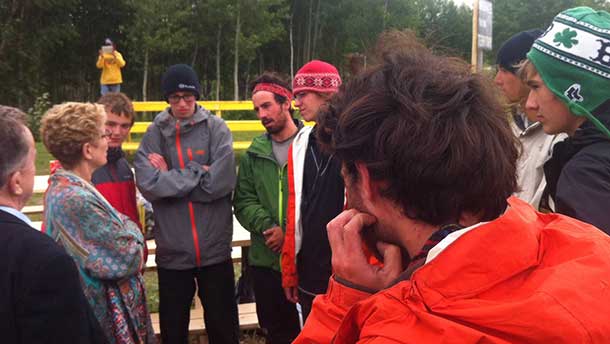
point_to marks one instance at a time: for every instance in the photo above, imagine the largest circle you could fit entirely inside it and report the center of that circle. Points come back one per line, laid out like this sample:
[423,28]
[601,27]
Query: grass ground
[42,159]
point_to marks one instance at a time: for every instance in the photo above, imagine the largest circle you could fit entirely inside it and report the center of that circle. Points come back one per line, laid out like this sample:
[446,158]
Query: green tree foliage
[512,16]
[31,33]
[35,113]
[51,45]
[445,26]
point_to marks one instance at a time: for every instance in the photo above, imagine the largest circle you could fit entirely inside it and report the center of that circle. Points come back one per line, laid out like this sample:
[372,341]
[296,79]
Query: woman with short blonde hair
[105,244]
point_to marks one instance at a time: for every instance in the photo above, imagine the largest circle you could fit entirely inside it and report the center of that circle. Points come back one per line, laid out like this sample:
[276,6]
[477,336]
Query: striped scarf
[420,259]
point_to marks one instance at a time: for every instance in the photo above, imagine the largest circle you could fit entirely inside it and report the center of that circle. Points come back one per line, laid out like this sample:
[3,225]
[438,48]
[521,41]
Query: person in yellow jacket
[110,61]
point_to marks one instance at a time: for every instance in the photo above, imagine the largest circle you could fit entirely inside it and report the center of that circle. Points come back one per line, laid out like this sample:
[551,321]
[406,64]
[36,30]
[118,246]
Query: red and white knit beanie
[316,76]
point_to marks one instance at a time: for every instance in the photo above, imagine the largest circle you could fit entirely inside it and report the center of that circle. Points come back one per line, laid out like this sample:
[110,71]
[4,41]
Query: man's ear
[14,183]
[364,182]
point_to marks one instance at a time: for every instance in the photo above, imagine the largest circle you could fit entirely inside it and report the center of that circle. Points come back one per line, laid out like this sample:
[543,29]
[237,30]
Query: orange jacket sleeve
[328,312]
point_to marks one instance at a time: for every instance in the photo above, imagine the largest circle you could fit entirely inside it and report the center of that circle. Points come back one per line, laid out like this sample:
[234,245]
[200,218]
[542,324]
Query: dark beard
[273,129]
[277,126]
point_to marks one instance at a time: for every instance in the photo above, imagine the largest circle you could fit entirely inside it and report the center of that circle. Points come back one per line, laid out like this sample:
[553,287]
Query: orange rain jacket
[525,277]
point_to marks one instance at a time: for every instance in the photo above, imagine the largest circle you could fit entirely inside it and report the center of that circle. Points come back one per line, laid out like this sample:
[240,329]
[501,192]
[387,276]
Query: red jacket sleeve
[288,259]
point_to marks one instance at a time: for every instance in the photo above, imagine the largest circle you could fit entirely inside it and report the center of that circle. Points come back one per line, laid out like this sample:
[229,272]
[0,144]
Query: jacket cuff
[289,280]
[196,167]
[344,295]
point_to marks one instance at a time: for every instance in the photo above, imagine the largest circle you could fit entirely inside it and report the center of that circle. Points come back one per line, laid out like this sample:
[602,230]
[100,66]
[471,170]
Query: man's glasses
[175,99]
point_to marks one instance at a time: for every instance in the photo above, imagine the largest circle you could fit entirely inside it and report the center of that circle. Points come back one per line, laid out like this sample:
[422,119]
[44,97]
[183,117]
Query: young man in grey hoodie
[186,168]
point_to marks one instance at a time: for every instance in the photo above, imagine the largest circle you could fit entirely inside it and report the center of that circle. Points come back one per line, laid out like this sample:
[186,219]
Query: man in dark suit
[40,294]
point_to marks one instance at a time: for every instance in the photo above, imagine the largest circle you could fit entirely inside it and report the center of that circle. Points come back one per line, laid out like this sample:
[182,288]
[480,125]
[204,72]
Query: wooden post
[474,54]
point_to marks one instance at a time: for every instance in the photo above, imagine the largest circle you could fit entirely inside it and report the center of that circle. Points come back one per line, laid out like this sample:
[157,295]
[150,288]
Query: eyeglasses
[175,99]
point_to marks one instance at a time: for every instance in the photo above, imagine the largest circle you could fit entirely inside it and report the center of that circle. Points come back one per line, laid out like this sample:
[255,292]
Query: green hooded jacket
[260,198]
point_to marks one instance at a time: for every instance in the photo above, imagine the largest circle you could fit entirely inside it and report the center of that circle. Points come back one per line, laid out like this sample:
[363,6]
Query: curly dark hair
[433,131]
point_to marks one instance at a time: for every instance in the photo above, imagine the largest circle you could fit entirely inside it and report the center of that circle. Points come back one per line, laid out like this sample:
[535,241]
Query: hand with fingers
[157,161]
[274,238]
[348,259]
[292,294]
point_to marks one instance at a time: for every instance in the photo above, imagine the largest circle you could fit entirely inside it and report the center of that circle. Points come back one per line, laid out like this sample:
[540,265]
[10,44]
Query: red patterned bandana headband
[273,88]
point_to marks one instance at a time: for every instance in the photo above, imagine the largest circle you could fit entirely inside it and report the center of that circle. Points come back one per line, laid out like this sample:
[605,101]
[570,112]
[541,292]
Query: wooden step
[33,209]
[246,313]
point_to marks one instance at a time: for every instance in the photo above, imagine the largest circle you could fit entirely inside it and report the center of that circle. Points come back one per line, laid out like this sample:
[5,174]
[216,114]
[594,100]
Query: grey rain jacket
[192,207]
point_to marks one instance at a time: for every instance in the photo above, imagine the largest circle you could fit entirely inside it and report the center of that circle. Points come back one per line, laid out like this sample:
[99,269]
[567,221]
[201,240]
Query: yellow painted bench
[235,126]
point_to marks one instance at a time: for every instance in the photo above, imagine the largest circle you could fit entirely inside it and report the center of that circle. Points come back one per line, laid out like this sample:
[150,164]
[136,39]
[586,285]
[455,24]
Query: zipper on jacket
[189,153]
[280,188]
[281,196]
[190,204]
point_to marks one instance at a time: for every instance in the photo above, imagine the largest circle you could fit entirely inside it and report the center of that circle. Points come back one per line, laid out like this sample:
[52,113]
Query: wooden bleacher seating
[246,312]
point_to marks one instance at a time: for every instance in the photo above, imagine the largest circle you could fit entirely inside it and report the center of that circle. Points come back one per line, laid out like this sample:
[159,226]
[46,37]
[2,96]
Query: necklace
[321,164]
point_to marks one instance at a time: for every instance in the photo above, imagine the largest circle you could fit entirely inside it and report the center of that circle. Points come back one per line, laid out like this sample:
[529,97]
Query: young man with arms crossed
[260,202]
[316,191]
[185,167]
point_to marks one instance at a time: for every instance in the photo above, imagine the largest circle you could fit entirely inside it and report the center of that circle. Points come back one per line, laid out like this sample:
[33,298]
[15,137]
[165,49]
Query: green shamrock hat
[573,59]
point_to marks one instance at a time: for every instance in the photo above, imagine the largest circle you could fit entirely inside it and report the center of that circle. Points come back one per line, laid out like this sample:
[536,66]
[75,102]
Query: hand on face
[348,259]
